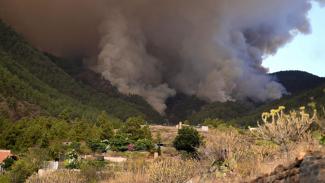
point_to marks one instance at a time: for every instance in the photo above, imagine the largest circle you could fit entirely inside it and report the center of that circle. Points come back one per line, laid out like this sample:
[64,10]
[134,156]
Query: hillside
[303,88]
[310,98]
[181,106]
[248,113]
[29,77]
[298,81]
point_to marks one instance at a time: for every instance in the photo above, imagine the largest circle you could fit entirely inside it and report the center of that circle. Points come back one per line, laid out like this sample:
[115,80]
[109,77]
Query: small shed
[205,128]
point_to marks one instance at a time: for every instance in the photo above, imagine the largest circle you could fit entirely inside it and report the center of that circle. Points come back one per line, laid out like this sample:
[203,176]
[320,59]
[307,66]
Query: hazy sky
[305,52]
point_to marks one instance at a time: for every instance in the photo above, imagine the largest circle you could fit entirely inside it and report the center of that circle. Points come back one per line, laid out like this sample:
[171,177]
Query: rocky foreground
[310,169]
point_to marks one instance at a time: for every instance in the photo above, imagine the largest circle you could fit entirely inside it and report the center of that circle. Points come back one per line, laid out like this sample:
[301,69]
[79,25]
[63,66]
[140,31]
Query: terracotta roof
[4,154]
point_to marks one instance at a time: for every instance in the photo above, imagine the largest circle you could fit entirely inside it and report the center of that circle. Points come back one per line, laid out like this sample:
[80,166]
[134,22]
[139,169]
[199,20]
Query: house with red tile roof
[4,154]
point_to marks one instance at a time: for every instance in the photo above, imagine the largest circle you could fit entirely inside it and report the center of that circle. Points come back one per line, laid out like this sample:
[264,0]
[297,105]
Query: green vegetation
[71,161]
[40,139]
[181,106]
[322,140]
[188,139]
[52,133]
[243,114]
[25,166]
[315,98]
[135,129]
[143,145]
[7,163]
[32,79]
[225,111]
[35,83]
[304,89]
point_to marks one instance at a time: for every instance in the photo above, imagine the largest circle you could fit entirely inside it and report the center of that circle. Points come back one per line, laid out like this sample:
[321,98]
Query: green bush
[143,145]
[7,163]
[21,170]
[134,130]
[99,146]
[322,140]
[119,142]
[103,121]
[4,178]
[72,160]
[188,139]
[213,123]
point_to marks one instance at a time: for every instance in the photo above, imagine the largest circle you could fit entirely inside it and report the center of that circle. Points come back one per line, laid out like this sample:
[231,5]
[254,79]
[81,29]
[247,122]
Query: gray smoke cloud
[154,48]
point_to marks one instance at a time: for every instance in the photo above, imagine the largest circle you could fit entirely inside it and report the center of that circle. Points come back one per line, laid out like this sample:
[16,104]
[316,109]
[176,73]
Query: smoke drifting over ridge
[154,48]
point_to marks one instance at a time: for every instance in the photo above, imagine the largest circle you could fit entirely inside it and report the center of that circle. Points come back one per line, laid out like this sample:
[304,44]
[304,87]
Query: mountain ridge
[296,81]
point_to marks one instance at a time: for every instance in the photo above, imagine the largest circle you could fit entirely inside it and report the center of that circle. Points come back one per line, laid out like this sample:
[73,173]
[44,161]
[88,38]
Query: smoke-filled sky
[154,48]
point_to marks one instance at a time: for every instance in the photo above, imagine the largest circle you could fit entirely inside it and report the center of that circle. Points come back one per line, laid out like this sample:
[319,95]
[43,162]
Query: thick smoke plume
[154,48]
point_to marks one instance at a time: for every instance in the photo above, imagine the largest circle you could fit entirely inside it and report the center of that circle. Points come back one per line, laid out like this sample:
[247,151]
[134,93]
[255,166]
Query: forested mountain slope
[303,89]
[298,81]
[28,76]
[310,98]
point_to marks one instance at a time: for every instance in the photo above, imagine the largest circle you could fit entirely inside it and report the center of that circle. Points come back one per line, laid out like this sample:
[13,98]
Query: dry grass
[132,171]
[128,177]
[168,133]
[172,170]
[227,156]
[66,176]
[230,156]
[165,170]
[227,153]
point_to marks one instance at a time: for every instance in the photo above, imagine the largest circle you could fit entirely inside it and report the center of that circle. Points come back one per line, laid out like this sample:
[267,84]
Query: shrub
[134,130]
[104,122]
[7,163]
[72,160]
[131,147]
[119,142]
[99,145]
[213,123]
[4,178]
[322,140]
[282,128]
[28,163]
[143,145]
[21,170]
[75,145]
[188,139]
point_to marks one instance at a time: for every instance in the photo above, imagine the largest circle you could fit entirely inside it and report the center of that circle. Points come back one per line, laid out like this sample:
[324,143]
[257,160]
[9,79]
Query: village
[116,160]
